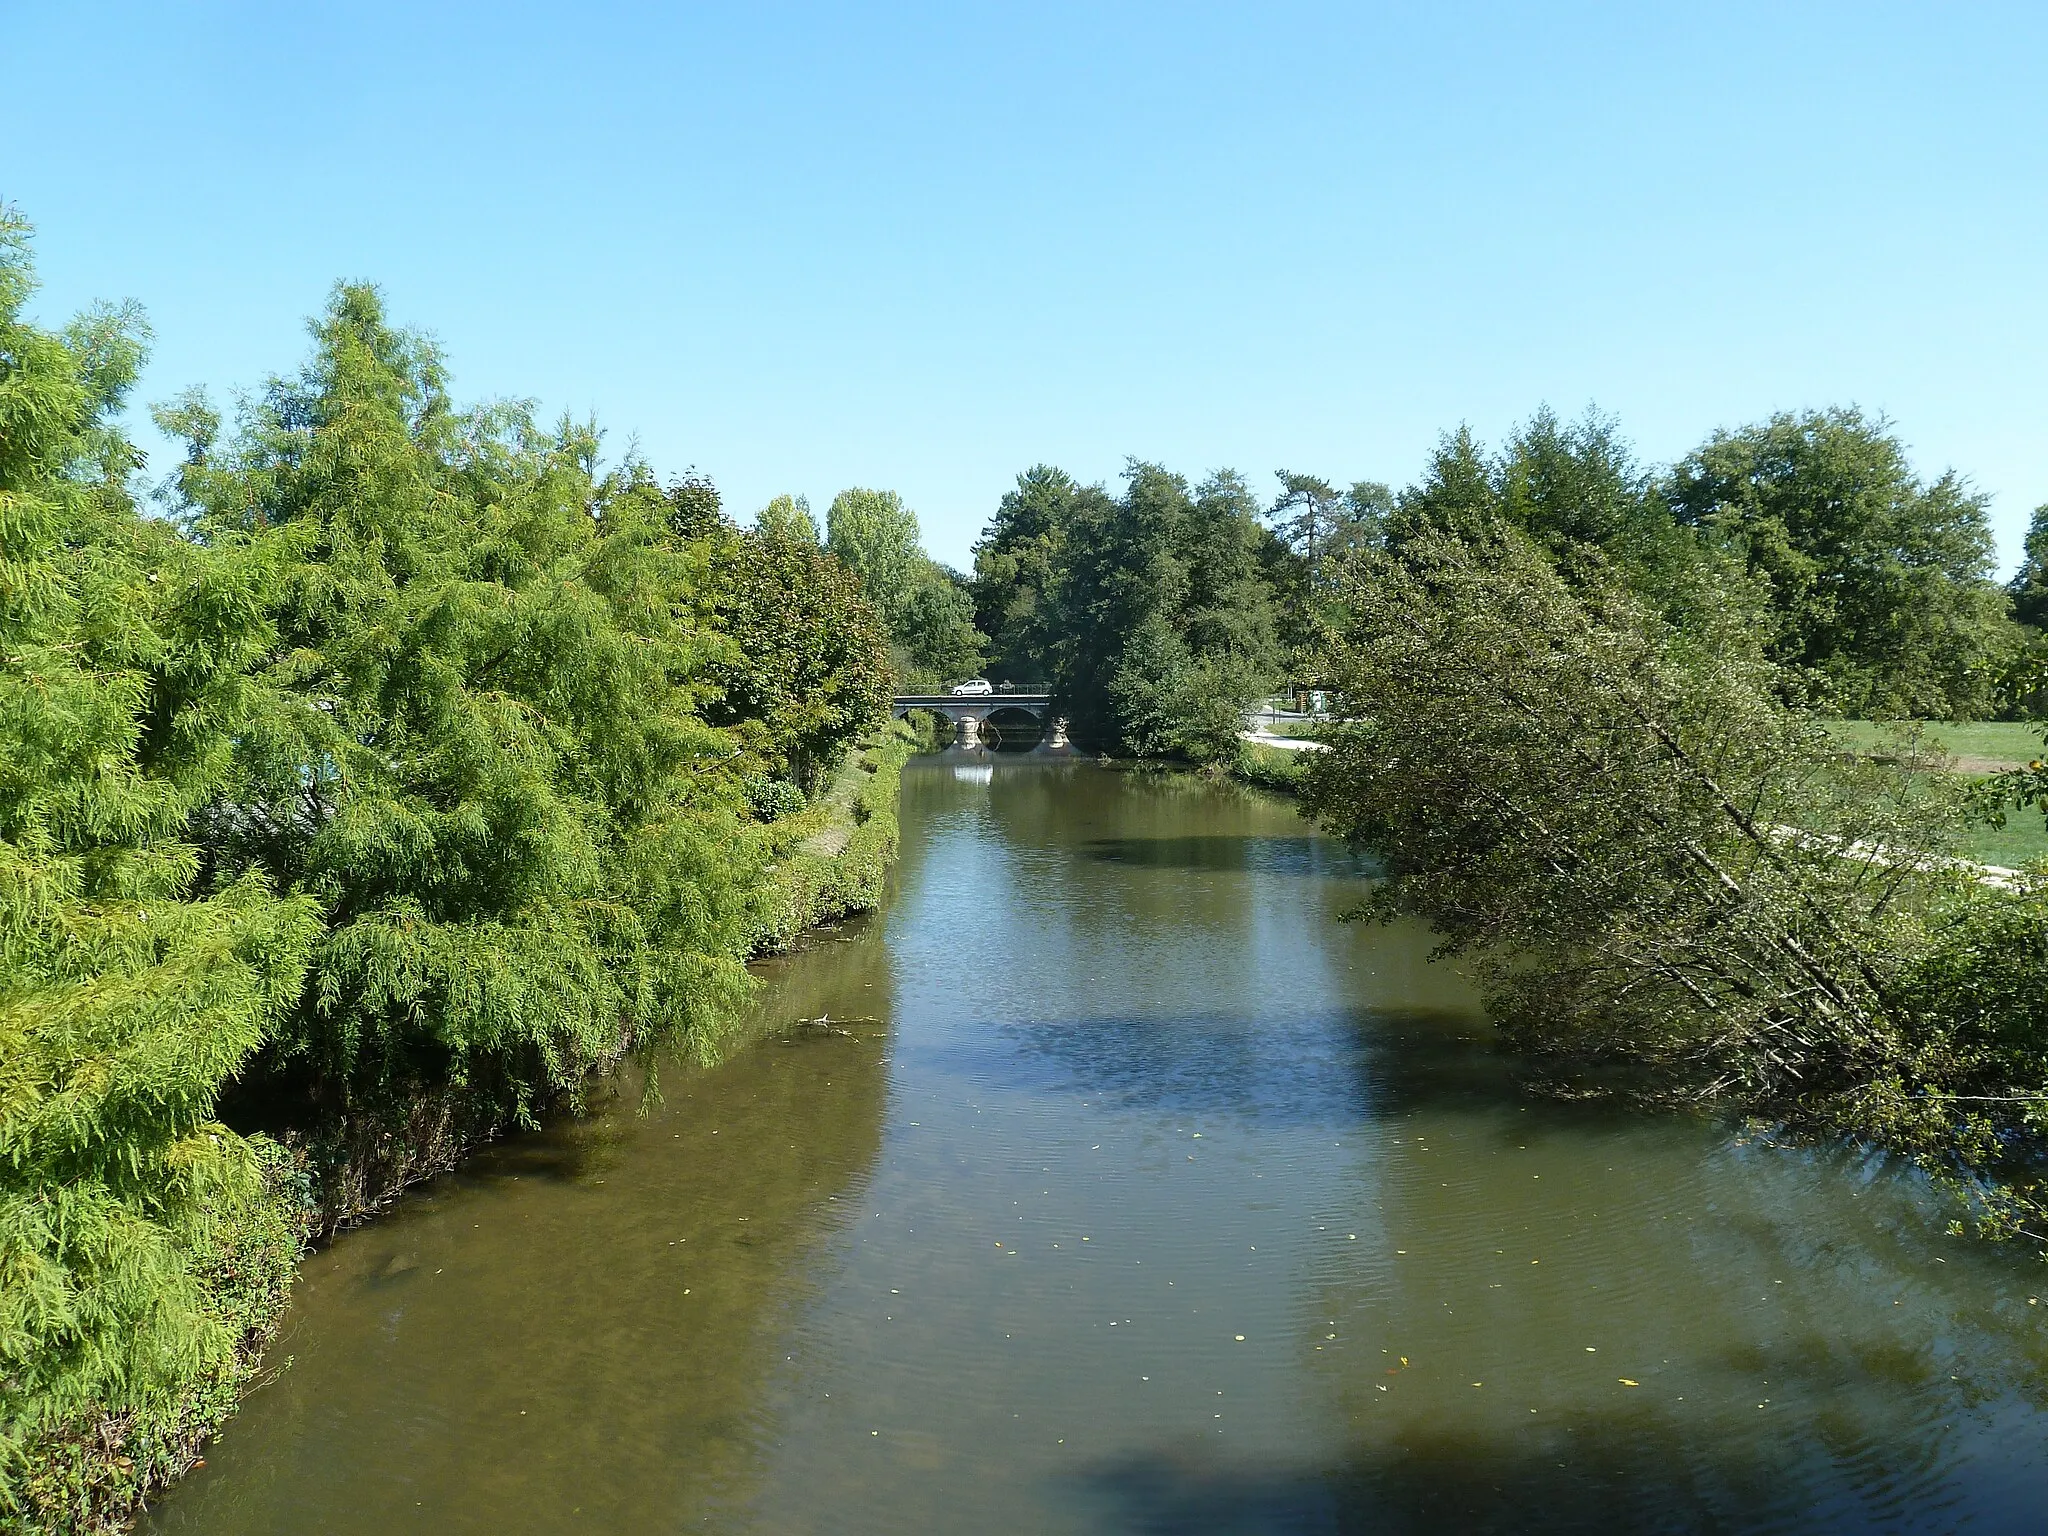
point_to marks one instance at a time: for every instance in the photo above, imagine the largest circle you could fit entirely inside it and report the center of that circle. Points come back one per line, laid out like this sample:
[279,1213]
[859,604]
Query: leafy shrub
[773,799]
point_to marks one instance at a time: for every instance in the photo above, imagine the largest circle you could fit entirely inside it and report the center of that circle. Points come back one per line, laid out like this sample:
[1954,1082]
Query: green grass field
[1983,746]
[2004,743]
[2023,840]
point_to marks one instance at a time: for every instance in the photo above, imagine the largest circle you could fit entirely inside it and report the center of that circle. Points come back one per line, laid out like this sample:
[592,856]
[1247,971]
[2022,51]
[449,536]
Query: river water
[1139,1194]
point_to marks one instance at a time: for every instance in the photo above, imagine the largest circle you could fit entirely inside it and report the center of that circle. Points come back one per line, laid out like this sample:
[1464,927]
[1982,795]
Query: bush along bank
[824,859]
[88,1473]
[403,775]
[89,1470]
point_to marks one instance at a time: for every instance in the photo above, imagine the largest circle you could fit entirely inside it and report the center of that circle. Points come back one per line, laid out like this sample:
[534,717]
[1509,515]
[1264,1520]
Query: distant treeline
[1161,612]
[1578,712]
[397,769]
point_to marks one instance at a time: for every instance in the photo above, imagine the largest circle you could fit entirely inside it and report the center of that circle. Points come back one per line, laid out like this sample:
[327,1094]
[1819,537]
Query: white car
[974,686]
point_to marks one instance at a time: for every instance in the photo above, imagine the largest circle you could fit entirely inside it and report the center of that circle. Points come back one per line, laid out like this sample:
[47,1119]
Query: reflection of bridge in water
[975,715]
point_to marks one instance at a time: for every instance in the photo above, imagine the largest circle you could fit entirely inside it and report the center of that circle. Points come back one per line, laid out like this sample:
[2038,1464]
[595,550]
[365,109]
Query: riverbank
[834,856]
[827,861]
[94,1476]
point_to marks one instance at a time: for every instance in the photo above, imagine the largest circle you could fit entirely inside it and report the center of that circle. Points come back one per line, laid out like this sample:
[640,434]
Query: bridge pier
[969,713]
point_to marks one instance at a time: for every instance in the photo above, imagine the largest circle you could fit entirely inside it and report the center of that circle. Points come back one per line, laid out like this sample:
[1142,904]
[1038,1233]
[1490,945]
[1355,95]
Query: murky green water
[1141,1195]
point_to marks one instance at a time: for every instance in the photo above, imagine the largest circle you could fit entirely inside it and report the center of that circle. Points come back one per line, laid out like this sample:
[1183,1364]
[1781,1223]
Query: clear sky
[924,247]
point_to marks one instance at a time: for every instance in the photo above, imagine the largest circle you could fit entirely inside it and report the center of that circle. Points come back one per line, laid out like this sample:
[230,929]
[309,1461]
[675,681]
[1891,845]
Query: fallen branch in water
[824,1023]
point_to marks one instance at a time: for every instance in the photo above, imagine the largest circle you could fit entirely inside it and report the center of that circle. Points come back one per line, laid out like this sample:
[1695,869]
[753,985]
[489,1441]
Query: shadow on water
[1336,1067]
[1640,1470]
[540,1332]
[1304,857]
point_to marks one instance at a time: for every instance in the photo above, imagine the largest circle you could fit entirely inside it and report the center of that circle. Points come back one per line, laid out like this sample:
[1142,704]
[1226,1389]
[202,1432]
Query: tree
[1163,614]
[808,670]
[935,640]
[1305,514]
[1574,488]
[1456,493]
[929,610]
[694,508]
[1016,561]
[486,758]
[787,518]
[125,1003]
[1650,862]
[1596,808]
[1881,582]
[875,536]
[2028,588]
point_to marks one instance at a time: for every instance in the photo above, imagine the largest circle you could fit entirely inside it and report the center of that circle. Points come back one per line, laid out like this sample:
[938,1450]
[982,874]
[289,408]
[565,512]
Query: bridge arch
[968,712]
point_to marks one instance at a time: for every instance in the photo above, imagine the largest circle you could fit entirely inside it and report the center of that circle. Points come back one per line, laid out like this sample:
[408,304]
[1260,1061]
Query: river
[1139,1194]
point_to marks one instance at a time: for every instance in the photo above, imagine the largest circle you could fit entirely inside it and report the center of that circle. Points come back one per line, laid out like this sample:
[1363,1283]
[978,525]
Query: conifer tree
[124,1003]
[488,763]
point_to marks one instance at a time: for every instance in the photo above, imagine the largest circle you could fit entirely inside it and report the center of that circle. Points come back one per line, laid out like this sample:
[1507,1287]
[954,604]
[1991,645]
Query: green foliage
[2022,789]
[833,858]
[1016,564]
[405,774]
[1641,848]
[124,1003]
[1573,489]
[876,536]
[485,757]
[808,668]
[1648,860]
[694,510]
[86,1473]
[1162,615]
[773,799]
[929,609]
[935,642]
[787,519]
[1272,768]
[2028,588]
[933,731]
[1880,582]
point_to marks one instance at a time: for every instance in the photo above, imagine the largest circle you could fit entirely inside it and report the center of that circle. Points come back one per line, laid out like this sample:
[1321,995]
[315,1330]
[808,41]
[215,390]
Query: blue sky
[924,247]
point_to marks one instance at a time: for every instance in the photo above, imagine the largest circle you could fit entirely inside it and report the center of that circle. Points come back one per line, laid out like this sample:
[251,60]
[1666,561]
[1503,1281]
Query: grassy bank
[1273,768]
[833,857]
[1990,744]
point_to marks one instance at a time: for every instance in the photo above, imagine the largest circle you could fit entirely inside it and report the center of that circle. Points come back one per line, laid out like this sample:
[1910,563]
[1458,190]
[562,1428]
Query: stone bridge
[969,712]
